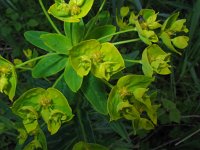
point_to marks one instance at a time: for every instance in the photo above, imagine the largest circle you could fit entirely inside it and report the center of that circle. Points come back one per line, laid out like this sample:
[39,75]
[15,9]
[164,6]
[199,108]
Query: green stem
[107,83]
[24,68]
[95,19]
[56,82]
[126,41]
[116,33]
[101,7]
[133,61]
[34,59]
[80,121]
[48,17]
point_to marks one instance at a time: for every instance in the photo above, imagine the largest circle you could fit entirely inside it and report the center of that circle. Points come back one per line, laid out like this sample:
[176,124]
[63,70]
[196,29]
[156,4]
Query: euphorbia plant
[84,53]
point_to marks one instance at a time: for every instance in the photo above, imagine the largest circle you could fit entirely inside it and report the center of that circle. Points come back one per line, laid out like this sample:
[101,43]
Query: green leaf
[101,31]
[32,23]
[42,139]
[93,90]
[58,43]
[169,105]
[175,115]
[145,124]
[124,11]
[170,20]
[35,144]
[146,67]
[34,38]
[146,13]
[6,124]
[73,80]
[29,98]
[49,65]
[167,41]
[120,128]
[68,32]
[113,100]
[133,82]
[88,146]
[77,32]
[178,25]
[180,41]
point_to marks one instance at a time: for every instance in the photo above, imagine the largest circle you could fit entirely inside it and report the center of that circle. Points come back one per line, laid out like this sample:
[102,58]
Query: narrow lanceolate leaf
[58,43]
[93,90]
[34,38]
[73,80]
[49,65]
[77,32]
[88,146]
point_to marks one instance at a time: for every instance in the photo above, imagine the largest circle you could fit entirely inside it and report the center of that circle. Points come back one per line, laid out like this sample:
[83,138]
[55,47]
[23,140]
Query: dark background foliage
[182,87]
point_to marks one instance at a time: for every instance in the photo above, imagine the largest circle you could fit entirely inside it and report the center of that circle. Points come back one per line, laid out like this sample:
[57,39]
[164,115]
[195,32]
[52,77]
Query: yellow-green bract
[103,60]
[8,78]
[51,104]
[170,28]
[155,60]
[129,100]
[71,12]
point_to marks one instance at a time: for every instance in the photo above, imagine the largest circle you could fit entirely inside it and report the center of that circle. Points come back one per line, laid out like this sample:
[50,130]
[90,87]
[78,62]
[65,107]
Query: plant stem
[116,33]
[101,7]
[48,17]
[34,59]
[187,137]
[24,68]
[80,120]
[107,83]
[133,61]
[58,79]
[95,19]
[126,41]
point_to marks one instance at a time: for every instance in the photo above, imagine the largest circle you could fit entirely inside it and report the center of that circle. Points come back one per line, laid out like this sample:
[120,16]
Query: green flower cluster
[51,104]
[155,60]
[129,99]
[150,29]
[72,11]
[103,60]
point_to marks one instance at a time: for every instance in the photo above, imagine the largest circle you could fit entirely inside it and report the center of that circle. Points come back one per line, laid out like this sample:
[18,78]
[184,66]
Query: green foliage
[88,146]
[8,78]
[84,68]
